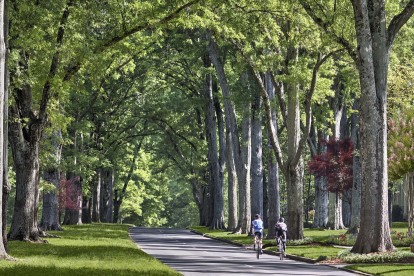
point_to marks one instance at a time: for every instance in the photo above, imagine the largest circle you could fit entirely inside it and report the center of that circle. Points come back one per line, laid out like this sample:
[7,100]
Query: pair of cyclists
[280,229]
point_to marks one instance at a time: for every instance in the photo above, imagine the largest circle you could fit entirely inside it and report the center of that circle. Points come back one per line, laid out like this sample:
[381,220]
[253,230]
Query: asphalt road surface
[193,254]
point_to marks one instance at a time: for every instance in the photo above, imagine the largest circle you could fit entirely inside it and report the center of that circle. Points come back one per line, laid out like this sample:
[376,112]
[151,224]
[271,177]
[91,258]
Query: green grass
[388,270]
[92,249]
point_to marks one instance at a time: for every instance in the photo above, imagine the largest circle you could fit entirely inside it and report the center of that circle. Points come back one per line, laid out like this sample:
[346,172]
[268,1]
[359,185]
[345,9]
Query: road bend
[193,254]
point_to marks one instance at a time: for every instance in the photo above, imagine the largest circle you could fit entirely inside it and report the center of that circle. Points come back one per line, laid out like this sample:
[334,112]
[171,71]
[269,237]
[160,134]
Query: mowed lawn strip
[385,269]
[91,249]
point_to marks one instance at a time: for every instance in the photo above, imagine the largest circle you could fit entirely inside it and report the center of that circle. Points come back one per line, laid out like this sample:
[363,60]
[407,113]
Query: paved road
[192,254]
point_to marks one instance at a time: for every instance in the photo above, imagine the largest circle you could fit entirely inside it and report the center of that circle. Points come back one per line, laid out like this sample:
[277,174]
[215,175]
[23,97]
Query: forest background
[175,113]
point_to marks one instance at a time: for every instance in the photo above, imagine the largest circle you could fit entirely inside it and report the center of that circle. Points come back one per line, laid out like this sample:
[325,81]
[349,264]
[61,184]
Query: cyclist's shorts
[258,234]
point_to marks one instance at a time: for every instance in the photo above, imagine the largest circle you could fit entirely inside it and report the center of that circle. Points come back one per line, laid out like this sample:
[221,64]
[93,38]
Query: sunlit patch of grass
[93,249]
[391,269]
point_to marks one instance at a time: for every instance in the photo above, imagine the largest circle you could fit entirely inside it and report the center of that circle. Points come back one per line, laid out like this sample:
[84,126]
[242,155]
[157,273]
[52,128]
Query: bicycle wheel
[259,250]
[281,249]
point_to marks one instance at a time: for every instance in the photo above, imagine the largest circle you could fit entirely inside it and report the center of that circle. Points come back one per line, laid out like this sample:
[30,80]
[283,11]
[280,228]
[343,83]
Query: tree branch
[398,21]
[326,27]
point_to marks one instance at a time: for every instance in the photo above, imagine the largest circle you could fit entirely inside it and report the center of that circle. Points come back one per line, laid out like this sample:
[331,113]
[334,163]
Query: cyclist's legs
[258,238]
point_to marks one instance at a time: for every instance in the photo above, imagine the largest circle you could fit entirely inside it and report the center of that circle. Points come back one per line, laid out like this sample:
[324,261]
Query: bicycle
[257,244]
[282,247]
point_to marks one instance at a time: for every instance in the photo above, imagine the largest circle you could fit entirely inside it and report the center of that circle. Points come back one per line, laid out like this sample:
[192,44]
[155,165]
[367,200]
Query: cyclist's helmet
[257,216]
[281,220]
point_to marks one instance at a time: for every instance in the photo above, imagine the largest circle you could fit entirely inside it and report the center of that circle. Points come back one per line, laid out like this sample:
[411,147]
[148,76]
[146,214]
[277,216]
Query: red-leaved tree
[69,194]
[335,165]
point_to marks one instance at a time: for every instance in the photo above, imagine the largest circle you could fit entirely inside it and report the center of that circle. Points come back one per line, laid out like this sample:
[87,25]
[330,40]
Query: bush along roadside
[388,257]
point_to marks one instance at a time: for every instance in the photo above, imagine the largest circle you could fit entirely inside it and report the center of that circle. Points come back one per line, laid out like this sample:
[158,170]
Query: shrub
[343,239]
[304,241]
[388,257]
[401,239]
[322,258]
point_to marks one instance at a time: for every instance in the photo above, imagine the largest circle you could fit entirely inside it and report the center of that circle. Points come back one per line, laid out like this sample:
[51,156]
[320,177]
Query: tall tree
[25,132]
[374,40]
[216,183]
[257,161]
[232,139]
[29,111]
[273,190]
[3,89]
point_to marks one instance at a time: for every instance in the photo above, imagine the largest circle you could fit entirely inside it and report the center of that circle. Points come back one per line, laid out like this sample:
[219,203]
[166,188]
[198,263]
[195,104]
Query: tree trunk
[222,146]
[232,142]
[107,195]
[86,209]
[244,181]
[257,162]
[3,123]
[335,220]
[50,212]
[320,219]
[356,174]
[273,190]
[216,185]
[372,63]
[346,208]
[232,184]
[96,196]
[294,173]
[25,155]
[409,182]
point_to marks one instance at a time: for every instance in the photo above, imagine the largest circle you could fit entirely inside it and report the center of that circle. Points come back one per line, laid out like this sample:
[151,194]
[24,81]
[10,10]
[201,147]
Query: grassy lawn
[93,249]
[384,269]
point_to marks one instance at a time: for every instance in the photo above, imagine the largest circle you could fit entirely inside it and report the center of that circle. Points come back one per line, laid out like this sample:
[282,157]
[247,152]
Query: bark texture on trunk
[25,156]
[107,195]
[232,139]
[244,181]
[273,190]
[86,210]
[295,169]
[257,161]
[320,219]
[50,211]
[3,123]
[215,182]
[96,197]
[356,178]
[372,62]
[409,183]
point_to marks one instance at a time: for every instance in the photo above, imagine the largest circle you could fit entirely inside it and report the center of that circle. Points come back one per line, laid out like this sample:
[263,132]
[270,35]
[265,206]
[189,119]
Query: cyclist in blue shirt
[258,228]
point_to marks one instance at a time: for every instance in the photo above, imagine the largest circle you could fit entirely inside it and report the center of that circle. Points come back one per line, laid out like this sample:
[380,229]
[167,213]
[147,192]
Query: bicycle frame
[281,247]
[257,245]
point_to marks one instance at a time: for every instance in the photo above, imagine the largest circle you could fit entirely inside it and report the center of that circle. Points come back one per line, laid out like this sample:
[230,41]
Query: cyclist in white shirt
[280,231]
